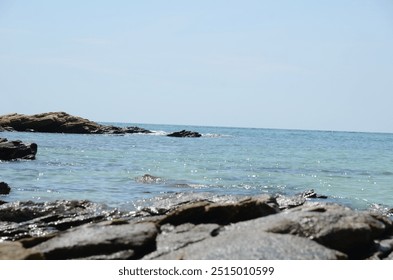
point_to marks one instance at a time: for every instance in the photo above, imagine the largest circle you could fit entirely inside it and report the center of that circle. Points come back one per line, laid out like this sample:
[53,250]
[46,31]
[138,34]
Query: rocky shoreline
[195,226]
[183,225]
[60,122]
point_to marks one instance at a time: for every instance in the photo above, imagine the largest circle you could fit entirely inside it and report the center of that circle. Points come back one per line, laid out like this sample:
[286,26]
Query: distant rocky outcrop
[60,122]
[194,226]
[185,134]
[12,150]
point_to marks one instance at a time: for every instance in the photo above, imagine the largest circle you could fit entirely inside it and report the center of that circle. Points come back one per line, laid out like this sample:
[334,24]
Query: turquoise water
[354,168]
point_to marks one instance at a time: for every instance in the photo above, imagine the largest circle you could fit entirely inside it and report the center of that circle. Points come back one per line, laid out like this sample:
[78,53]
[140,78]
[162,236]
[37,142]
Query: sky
[319,65]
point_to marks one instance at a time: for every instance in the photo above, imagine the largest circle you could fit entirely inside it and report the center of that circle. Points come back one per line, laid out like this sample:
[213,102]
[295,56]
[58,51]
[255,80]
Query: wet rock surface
[13,150]
[61,122]
[20,220]
[195,226]
[287,202]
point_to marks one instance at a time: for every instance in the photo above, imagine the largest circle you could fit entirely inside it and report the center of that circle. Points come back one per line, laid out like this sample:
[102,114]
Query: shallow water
[351,168]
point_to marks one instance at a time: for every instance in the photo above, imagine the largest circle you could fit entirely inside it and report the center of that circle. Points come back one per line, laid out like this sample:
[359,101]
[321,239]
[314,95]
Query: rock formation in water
[60,122]
[4,188]
[12,150]
[185,134]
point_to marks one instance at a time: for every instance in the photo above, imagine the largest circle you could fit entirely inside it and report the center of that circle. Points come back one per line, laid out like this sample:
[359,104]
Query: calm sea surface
[351,168]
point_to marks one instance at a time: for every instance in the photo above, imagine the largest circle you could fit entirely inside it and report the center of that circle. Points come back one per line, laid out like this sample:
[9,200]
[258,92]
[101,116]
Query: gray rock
[4,188]
[254,245]
[333,226]
[100,239]
[12,150]
[287,202]
[15,251]
[161,205]
[173,238]
[197,226]
[222,213]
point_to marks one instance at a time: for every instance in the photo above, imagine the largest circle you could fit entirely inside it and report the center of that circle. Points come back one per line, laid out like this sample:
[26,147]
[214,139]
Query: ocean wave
[158,133]
[214,135]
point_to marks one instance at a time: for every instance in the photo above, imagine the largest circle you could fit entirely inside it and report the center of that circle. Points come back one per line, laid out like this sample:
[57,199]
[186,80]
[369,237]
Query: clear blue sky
[324,65]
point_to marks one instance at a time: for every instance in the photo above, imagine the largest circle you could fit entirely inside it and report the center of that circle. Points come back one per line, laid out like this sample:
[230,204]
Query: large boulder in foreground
[333,226]
[253,245]
[60,122]
[12,150]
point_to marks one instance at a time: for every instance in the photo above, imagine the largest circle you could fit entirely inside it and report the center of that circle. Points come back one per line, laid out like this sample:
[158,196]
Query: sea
[351,168]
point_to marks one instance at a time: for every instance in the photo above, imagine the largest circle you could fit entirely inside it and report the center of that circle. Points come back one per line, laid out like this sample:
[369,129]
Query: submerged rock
[12,150]
[60,122]
[287,202]
[312,194]
[185,134]
[4,189]
[148,179]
